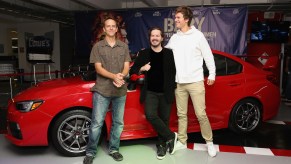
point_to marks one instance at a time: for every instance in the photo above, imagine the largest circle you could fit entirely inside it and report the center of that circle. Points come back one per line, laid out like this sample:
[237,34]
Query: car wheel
[246,116]
[70,132]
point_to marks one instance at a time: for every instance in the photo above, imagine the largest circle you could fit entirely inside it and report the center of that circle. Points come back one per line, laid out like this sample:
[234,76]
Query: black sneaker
[161,151]
[172,144]
[116,156]
[88,160]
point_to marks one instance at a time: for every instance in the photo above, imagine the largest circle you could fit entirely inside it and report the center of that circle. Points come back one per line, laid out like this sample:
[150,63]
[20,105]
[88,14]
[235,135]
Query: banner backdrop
[224,27]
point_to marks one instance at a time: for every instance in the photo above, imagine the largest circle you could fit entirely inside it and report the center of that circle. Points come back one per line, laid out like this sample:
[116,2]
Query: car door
[221,96]
[135,123]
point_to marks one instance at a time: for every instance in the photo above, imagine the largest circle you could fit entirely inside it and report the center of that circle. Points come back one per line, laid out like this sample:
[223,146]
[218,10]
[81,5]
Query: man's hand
[146,67]
[118,80]
[210,82]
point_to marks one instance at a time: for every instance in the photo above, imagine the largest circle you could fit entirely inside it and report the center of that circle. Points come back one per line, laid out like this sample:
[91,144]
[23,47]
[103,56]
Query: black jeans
[157,111]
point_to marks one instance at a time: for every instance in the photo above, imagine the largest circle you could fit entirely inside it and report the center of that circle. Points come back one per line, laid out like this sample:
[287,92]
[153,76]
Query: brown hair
[156,28]
[109,17]
[186,12]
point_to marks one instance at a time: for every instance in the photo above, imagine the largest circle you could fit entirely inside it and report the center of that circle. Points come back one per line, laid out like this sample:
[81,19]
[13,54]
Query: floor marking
[258,151]
[276,122]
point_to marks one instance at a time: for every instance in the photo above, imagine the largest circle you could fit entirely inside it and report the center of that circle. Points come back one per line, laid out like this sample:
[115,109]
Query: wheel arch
[256,100]
[243,99]
[52,123]
[60,114]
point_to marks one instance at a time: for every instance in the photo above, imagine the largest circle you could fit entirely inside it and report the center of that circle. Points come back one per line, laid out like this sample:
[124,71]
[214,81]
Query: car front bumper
[27,129]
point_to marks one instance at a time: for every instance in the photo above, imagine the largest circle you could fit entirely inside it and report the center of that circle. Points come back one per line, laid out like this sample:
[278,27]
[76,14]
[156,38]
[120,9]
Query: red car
[59,110]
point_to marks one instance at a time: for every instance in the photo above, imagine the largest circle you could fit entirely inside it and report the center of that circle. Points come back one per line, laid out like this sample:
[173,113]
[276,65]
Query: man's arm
[209,60]
[140,64]
[125,68]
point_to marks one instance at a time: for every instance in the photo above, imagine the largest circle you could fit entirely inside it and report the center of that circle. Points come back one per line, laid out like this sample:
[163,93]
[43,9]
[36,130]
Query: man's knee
[201,116]
[151,117]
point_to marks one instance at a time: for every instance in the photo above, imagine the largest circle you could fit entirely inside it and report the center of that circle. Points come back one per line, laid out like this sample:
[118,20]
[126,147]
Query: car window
[224,66]
[233,67]
[220,63]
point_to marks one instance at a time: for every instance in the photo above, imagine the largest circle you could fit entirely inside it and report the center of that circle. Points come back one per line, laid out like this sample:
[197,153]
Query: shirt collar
[104,43]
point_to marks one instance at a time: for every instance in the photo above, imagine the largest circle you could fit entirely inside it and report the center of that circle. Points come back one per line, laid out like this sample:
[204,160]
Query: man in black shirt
[159,89]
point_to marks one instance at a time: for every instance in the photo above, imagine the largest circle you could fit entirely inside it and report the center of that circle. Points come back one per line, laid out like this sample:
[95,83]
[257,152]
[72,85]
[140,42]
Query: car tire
[70,132]
[246,116]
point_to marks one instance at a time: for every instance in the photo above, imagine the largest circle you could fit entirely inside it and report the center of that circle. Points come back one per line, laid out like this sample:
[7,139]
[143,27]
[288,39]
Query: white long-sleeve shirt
[190,49]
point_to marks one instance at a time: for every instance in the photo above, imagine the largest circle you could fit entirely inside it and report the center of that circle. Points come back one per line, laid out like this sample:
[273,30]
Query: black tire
[245,116]
[70,132]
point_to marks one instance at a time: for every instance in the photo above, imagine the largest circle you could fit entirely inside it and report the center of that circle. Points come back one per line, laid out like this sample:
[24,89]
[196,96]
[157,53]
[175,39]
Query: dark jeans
[157,111]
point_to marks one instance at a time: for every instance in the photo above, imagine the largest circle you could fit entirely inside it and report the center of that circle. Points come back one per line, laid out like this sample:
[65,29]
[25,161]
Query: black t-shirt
[155,76]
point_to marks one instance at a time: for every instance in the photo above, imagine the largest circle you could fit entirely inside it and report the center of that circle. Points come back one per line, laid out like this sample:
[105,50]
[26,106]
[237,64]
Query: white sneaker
[211,149]
[180,146]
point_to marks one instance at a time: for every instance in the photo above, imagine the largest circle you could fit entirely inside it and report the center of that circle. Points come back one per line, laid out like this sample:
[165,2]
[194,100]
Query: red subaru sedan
[58,111]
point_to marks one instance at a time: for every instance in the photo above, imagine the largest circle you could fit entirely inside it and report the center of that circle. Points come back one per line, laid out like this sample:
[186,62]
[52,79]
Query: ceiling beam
[23,11]
[100,4]
[84,4]
[156,3]
[31,4]
[244,1]
[67,5]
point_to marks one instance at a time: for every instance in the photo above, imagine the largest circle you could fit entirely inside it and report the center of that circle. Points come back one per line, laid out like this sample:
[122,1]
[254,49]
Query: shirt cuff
[211,77]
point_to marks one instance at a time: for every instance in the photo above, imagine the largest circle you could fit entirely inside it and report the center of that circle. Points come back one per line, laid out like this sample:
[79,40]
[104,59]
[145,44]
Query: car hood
[55,88]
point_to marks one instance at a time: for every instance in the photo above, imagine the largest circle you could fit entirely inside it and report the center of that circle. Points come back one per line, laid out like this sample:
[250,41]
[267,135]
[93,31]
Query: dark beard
[155,45]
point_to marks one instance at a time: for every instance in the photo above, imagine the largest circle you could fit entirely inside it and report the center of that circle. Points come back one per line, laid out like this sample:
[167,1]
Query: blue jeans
[288,87]
[100,108]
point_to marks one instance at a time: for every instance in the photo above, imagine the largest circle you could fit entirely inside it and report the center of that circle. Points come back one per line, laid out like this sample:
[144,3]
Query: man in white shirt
[190,48]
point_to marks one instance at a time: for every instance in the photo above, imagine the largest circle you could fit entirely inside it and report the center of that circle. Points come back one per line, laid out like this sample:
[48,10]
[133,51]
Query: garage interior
[270,144]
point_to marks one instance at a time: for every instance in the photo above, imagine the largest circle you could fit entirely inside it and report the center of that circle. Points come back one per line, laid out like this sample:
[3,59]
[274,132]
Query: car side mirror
[138,79]
[135,79]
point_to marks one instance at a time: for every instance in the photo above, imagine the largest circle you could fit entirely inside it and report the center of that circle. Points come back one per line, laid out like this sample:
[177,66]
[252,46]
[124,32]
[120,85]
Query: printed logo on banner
[215,12]
[235,11]
[138,14]
[196,13]
[157,14]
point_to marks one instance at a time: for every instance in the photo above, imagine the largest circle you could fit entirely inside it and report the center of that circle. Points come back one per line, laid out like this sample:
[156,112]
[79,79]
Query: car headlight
[26,106]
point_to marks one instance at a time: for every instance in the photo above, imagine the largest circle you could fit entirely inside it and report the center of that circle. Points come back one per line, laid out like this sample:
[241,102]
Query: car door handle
[234,83]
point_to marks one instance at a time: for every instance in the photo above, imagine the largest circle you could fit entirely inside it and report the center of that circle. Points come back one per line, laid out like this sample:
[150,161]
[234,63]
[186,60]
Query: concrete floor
[138,151]
[270,144]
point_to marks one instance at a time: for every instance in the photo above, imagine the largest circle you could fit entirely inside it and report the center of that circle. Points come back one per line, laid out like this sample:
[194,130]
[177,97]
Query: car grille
[15,130]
